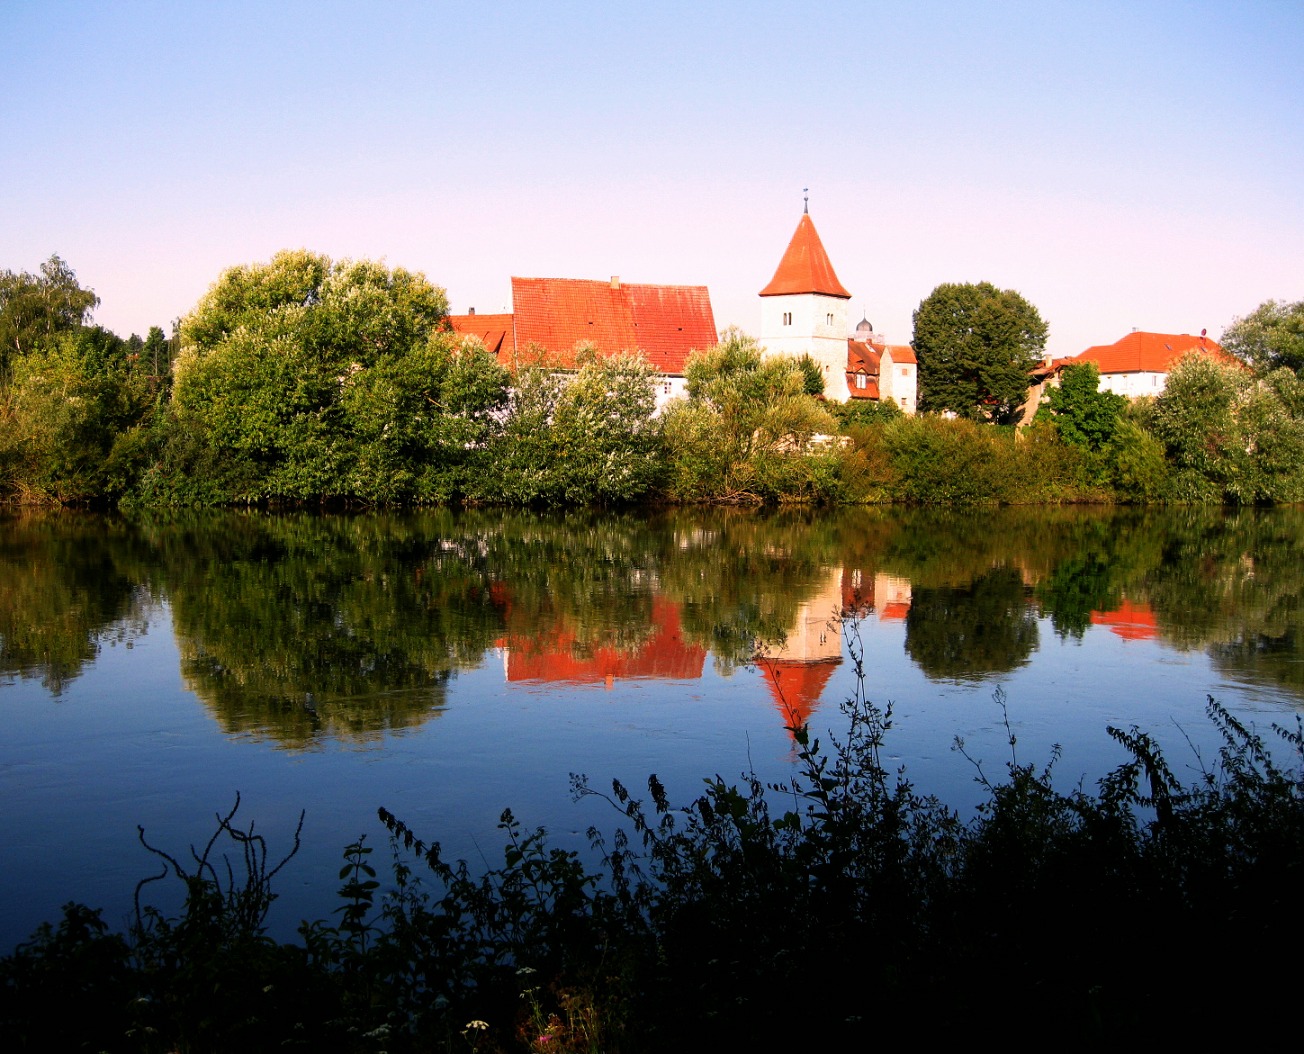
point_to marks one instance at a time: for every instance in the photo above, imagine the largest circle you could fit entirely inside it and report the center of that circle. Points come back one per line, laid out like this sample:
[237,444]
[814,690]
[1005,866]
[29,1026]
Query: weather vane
[805,199]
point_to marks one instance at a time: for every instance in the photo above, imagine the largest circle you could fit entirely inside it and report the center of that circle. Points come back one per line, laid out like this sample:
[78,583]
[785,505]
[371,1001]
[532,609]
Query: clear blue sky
[1121,164]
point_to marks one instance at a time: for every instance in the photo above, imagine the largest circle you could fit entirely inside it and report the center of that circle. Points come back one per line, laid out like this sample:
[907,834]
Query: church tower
[804,309]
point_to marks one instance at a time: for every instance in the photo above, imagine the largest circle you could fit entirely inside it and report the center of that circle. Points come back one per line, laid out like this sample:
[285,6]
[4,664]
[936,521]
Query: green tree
[34,307]
[746,432]
[72,420]
[976,345]
[272,359]
[1229,436]
[1269,337]
[1084,415]
[579,439]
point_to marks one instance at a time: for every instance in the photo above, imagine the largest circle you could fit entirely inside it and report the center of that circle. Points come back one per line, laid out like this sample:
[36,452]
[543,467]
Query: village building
[1135,366]
[554,319]
[1139,363]
[804,312]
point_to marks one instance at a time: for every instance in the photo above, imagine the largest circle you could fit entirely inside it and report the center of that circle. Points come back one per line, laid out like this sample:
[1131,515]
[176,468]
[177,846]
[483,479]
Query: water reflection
[300,628]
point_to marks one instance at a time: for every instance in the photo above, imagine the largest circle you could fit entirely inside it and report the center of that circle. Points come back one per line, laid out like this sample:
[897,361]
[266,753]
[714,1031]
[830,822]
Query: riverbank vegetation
[307,382]
[753,917]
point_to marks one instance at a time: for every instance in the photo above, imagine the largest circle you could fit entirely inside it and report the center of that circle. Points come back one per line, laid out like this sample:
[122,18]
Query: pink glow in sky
[1123,165]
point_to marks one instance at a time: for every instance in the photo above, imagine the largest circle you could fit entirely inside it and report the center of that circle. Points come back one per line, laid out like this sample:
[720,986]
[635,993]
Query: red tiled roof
[1150,352]
[663,322]
[870,391]
[862,356]
[902,354]
[805,267]
[494,331]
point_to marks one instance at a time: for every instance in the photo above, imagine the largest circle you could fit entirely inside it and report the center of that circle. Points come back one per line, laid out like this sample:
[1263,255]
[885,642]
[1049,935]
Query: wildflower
[477,1025]
[525,971]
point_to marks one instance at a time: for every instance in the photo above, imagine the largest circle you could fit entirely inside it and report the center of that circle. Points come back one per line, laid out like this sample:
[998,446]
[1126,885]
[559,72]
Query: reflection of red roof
[805,267]
[797,686]
[895,611]
[663,322]
[494,331]
[1150,352]
[1129,621]
[555,657]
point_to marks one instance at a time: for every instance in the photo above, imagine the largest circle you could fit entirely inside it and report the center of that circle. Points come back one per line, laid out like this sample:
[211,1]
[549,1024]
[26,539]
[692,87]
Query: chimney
[470,311]
[615,281]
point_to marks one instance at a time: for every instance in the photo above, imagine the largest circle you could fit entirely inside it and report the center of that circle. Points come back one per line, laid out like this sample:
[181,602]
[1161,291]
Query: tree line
[304,381]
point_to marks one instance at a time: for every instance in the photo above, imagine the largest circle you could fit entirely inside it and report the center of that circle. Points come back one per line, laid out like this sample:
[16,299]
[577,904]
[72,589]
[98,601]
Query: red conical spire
[805,267]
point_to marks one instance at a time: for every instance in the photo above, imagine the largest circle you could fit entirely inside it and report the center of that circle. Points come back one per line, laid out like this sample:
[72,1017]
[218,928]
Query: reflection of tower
[798,673]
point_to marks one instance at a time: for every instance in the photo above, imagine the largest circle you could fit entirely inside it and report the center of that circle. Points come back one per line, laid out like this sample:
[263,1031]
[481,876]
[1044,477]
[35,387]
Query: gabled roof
[805,267]
[663,322]
[494,331]
[862,358]
[1150,352]
[903,354]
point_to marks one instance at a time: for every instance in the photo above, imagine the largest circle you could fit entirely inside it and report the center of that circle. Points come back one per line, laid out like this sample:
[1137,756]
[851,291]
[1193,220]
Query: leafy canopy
[1269,337]
[976,345]
[1084,415]
[36,306]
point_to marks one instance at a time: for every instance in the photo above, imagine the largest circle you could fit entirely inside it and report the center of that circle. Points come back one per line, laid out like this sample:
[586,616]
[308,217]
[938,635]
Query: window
[905,371]
[860,380]
[787,318]
[828,319]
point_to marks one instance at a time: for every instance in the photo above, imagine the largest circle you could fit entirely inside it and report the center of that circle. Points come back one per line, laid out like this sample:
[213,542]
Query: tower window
[787,318]
[828,319]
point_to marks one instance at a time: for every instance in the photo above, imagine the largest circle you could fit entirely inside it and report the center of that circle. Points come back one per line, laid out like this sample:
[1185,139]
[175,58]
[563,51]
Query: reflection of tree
[1232,582]
[985,628]
[298,626]
[68,583]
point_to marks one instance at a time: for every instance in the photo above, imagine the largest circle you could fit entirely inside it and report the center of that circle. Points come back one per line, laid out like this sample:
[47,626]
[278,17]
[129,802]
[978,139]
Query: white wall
[809,324]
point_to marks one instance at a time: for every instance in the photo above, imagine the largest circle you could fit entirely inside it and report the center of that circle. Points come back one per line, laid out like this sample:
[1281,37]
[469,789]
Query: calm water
[448,665]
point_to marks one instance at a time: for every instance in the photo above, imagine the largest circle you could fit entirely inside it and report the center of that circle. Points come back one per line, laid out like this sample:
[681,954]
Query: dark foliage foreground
[823,914]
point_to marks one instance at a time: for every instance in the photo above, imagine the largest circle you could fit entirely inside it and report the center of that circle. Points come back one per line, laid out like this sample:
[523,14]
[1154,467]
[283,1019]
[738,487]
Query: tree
[1084,416]
[745,431]
[976,345]
[582,439]
[71,419]
[269,359]
[36,307]
[1269,337]
[1229,436]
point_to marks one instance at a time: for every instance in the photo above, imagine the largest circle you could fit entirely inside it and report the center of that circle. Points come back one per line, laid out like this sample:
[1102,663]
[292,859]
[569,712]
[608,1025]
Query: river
[446,665]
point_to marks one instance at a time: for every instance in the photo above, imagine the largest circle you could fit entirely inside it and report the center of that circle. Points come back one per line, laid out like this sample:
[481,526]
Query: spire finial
[805,200]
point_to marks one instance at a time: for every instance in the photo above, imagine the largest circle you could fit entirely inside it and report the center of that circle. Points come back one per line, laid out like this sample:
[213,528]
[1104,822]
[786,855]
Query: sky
[1124,166]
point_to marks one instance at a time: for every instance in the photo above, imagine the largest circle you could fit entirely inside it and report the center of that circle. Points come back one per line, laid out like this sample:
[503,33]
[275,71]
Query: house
[804,312]
[1138,364]
[552,318]
[879,370]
